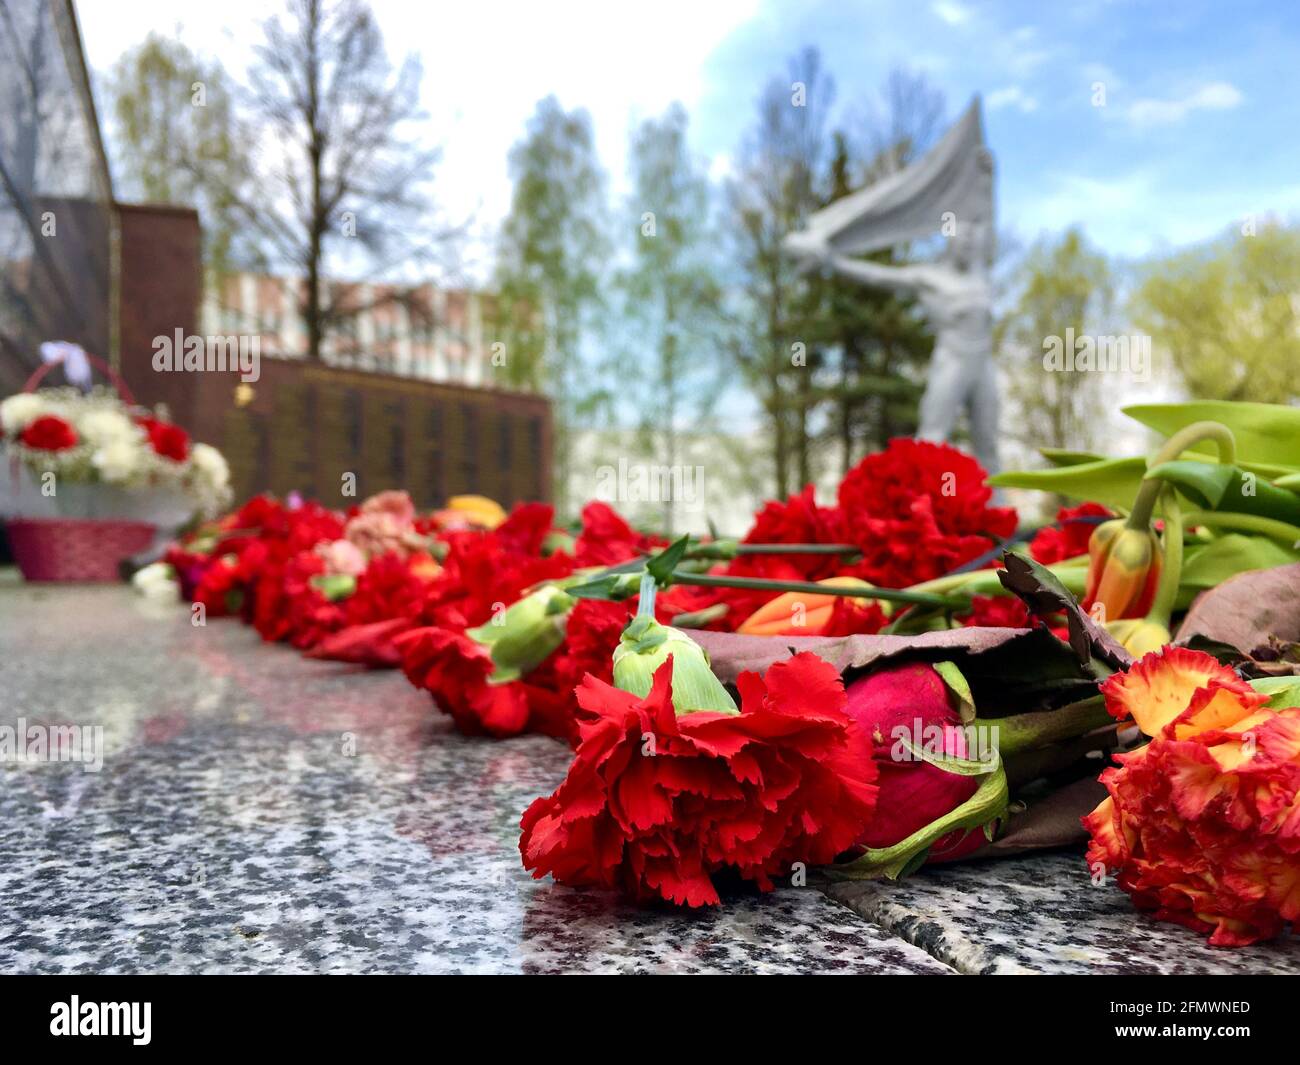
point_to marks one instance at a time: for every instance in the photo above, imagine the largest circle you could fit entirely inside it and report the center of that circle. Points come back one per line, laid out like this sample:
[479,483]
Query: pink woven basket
[75,549]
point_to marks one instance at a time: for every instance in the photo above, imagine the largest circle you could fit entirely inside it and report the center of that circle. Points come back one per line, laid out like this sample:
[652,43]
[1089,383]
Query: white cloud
[951,12]
[1215,96]
[485,68]
[1011,96]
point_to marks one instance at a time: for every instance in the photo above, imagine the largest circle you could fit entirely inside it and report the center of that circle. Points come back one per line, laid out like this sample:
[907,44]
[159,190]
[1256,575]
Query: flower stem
[1072,573]
[1186,437]
[1171,571]
[1282,531]
[646,597]
[726,550]
[760,584]
[1024,732]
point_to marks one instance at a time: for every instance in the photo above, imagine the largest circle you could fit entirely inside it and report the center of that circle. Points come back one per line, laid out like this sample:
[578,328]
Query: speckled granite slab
[1043,914]
[258,812]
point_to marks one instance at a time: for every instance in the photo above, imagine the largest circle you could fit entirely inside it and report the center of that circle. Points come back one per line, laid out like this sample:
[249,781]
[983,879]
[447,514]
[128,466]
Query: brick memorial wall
[303,426]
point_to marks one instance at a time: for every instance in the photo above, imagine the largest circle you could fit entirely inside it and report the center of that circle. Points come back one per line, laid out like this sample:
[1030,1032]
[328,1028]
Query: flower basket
[73,549]
[98,476]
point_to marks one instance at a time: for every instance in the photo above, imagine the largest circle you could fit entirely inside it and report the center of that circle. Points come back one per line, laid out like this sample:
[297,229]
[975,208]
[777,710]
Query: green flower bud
[646,644]
[334,586]
[523,635]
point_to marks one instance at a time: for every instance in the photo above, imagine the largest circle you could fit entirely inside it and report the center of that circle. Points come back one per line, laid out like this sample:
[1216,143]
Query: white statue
[949,191]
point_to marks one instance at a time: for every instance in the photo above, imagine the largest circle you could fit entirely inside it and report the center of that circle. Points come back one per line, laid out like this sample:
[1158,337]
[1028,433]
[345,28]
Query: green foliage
[1061,283]
[773,190]
[177,139]
[669,314]
[1226,312]
[548,266]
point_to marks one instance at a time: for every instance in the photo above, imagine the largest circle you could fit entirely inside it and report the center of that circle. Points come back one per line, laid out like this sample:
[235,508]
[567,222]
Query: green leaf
[1228,488]
[1209,565]
[1043,593]
[614,586]
[661,566]
[956,683]
[1265,432]
[1283,692]
[1113,482]
[951,763]
[1059,456]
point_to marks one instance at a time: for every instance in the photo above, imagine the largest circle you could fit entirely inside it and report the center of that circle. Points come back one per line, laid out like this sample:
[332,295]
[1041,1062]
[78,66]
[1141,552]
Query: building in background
[420,331]
[397,400]
[56,196]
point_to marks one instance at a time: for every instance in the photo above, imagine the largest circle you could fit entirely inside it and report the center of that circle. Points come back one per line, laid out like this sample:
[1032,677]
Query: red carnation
[169,441]
[485,570]
[919,510]
[455,670]
[1069,537]
[657,803]
[49,433]
[386,603]
[590,637]
[1201,826]
[997,612]
[606,539]
[799,520]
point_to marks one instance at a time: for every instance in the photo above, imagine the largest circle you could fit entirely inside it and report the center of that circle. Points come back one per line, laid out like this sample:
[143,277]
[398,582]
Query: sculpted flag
[955,176]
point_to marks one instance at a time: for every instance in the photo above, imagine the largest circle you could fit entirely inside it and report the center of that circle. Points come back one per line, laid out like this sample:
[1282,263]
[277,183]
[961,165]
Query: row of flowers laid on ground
[900,733]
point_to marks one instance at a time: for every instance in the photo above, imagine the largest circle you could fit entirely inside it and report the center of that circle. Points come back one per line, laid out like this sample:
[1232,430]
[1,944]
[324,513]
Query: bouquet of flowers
[91,454]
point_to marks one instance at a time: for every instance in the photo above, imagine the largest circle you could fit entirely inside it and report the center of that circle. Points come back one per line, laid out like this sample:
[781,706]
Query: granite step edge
[937,936]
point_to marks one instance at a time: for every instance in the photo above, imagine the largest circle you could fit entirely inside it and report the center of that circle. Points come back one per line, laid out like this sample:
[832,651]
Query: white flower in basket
[95,456]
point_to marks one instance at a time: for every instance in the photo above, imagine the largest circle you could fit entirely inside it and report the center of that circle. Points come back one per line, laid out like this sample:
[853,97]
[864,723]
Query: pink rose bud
[913,703]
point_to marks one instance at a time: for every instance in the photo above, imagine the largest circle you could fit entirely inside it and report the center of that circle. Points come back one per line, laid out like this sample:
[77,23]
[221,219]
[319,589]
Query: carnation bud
[526,633]
[646,644]
[334,586]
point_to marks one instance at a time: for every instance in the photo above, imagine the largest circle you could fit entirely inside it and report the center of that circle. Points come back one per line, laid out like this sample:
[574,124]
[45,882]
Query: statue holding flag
[950,192]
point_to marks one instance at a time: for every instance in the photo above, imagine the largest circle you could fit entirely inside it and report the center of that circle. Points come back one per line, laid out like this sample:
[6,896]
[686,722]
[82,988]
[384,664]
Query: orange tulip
[1123,570]
[797,613]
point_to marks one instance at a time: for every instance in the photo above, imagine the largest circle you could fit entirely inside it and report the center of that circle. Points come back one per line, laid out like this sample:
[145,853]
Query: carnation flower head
[49,432]
[658,802]
[1069,537]
[1202,825]
[919,510]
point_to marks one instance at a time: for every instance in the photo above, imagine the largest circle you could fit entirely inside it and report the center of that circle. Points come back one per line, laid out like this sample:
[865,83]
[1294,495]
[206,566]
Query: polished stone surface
[257,811]
[1045,914]
[260,812]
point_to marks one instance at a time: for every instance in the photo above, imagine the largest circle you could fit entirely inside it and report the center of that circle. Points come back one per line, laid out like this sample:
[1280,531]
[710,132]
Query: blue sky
[1197,132]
